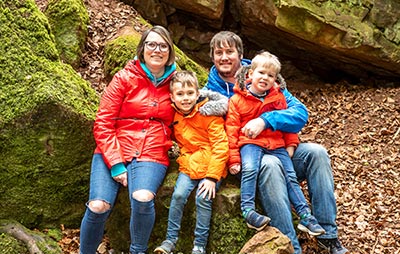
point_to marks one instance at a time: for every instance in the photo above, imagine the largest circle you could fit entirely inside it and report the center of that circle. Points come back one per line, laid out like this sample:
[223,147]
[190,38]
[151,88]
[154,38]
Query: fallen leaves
[359,125]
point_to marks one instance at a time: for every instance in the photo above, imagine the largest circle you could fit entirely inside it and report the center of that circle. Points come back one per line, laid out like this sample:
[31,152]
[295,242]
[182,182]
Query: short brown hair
[228,37]
[186,78]
[165,35]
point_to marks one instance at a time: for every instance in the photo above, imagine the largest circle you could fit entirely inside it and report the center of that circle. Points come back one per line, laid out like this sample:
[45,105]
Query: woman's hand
[253,127]
[207,187]
[122,179]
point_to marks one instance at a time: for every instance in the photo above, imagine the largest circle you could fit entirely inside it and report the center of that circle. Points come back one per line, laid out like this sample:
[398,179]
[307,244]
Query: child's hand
[207,187]
[290,150]
[234,169]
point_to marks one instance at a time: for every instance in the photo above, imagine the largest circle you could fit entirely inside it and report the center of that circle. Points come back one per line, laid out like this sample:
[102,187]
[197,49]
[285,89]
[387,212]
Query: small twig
[397,133]
[376,243]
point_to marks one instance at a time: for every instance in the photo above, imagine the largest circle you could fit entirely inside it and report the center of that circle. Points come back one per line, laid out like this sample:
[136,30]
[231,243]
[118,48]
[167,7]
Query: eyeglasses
[152,45]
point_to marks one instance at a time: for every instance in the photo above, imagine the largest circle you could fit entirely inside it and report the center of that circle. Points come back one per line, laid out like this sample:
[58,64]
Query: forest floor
[358,124]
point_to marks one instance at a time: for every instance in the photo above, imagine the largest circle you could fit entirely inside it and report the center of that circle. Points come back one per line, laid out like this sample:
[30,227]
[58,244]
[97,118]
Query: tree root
[19,232]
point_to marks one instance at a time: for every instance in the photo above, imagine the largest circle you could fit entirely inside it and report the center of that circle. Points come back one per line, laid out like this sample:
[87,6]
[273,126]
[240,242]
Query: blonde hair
[263,59]
[186,78]
[266,60]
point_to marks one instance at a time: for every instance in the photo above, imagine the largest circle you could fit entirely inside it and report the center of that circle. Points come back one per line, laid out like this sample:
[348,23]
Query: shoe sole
[259,228]
[304,229]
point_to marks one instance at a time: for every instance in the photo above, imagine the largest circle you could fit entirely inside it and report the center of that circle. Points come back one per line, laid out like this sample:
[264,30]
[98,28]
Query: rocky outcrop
[333,39]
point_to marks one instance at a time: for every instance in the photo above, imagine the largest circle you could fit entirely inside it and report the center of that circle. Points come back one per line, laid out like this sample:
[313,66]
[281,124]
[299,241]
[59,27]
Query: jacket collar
[169,69]
[217,84]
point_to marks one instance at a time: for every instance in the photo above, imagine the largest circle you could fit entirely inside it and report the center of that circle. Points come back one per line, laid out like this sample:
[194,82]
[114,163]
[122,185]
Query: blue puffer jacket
[292,119]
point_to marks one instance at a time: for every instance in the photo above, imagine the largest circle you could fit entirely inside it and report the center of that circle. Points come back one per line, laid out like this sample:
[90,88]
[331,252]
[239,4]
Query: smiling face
[262,79]
[155,59]
[227,60]
[184,96]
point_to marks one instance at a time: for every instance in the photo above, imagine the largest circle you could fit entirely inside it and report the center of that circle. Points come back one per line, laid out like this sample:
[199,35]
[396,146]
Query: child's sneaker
[198,250]
[310,225]
[166,247]
[332,245]
[255,220]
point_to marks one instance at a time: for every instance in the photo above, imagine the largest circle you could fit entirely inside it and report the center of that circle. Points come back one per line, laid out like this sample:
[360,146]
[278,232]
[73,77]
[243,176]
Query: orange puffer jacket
[203,144]
[243,107]
[133,118]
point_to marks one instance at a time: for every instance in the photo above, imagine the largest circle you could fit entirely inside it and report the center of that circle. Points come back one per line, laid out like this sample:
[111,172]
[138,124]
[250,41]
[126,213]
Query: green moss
[31,72]
[46,120]
[44,156]
[68,20]
[229,233]
[10,245]
[24,27]
[54,233]
[185,63]
[118,52]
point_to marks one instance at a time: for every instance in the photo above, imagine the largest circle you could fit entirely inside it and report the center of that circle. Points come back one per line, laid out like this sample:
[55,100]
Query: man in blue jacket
[311,161]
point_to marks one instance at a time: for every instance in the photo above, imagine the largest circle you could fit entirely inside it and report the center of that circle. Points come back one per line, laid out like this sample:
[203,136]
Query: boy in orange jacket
[253,97]
[203,146]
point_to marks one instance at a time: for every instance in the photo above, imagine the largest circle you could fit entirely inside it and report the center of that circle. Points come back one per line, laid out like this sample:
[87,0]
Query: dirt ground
[358,124]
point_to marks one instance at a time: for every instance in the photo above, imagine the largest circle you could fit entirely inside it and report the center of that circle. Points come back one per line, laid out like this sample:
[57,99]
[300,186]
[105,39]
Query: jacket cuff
[212,179]
[118,169]
[267,124]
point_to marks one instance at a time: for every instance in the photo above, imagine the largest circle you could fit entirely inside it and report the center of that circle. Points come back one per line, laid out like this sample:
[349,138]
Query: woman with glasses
[133,137]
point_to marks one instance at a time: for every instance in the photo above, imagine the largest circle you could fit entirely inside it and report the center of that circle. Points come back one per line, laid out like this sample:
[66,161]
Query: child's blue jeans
[251,156]
[183,188]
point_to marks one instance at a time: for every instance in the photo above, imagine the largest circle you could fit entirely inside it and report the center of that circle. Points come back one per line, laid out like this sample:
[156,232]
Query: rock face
[332,39]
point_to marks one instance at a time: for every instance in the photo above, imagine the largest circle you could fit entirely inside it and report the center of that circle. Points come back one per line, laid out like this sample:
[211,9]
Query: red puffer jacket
[133,118]
[244,107]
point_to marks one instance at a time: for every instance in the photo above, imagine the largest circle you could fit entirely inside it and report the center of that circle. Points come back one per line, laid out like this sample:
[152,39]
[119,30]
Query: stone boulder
[69,22]
[47,112]
[269,240]
[333,39]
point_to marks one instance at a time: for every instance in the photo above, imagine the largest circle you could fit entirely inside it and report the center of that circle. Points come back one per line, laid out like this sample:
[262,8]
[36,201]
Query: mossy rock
[46,140]
[10,245]
[119,51]
[69,21]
